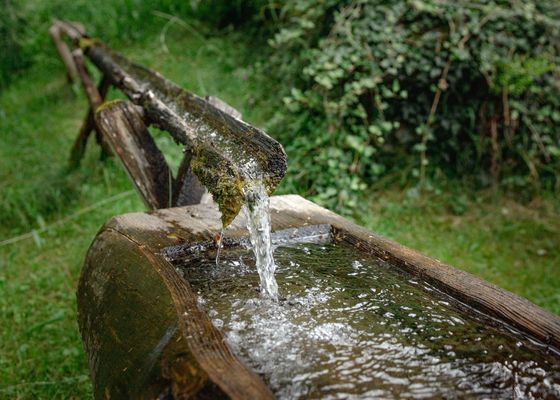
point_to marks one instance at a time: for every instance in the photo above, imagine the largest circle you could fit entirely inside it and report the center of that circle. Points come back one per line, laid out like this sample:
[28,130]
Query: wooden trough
[146,336]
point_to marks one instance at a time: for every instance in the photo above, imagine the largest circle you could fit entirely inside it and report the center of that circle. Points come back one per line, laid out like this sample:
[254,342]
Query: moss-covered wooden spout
[228,153]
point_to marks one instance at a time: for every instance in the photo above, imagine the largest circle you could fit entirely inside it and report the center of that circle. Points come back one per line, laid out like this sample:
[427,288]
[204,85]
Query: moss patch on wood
[222,181]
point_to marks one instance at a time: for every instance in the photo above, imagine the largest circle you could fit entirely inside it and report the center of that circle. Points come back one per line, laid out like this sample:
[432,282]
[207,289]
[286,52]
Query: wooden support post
[187,189]
[64,52]
[79,147]
[122,124]
[94,96]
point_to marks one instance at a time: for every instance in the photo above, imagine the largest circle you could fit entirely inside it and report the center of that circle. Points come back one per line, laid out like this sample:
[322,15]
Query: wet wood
[475,292]
[182,113]
[222,105]
[202,223]
[226,153]
[122,124]
[144,333]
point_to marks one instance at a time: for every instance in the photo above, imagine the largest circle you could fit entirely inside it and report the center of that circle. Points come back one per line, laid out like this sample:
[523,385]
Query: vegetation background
[431,122]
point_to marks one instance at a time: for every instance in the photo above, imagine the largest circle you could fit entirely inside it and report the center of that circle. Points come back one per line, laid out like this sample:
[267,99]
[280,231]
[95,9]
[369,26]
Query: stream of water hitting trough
[258,224]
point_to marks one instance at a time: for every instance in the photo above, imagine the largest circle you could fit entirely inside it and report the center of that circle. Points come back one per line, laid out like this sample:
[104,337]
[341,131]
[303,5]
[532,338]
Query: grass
[41,356]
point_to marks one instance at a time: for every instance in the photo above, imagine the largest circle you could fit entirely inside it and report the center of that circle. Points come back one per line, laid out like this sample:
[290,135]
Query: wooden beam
[227,154]
[122,124]
[64,52]
[79,147]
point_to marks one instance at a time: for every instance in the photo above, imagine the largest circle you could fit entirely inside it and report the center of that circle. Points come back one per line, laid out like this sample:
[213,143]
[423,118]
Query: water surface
[350,326]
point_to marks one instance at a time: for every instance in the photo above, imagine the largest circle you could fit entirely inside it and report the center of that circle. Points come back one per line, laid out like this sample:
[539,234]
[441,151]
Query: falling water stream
[258,224]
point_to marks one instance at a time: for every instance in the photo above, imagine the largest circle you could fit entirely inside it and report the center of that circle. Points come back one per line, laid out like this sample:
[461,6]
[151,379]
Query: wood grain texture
[122,124]
[144,333]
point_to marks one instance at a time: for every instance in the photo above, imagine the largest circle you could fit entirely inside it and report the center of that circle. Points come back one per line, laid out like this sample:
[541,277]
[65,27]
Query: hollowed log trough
[146,336]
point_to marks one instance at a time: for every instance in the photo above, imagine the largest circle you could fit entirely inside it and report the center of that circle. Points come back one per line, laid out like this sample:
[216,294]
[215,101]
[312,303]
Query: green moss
[86,42]
[221,179]
[107,104]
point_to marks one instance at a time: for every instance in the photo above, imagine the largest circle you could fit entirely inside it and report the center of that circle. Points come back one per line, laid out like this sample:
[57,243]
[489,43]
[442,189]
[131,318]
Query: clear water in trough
[350,326]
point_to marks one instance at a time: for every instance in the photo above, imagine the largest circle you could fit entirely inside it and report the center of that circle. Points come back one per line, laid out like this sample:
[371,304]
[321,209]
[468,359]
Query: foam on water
[349,326]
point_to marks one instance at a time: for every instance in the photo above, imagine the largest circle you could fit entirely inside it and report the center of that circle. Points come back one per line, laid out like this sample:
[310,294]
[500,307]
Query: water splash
[258,224]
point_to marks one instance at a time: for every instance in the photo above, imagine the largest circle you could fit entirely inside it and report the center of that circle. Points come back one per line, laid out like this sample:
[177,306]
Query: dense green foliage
[417,87]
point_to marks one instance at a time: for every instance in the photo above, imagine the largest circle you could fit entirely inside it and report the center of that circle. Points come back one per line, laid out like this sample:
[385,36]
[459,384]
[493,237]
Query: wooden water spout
[221,151]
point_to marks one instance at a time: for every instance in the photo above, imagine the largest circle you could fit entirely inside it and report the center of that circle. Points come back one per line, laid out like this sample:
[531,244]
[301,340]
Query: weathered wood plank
[122,124]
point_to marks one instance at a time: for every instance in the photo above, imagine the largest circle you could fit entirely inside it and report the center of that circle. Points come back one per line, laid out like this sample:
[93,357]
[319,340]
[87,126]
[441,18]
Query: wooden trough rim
[200,222]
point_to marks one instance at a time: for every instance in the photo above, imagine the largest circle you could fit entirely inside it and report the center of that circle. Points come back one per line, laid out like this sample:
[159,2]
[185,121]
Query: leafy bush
[419,87]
